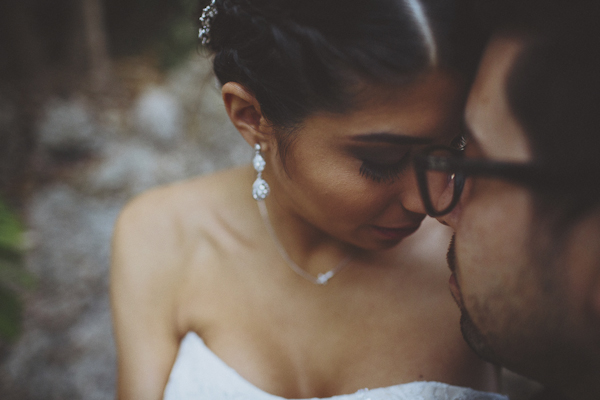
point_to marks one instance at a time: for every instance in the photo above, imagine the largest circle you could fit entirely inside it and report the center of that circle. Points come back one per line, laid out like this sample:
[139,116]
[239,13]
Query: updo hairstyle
[301,56]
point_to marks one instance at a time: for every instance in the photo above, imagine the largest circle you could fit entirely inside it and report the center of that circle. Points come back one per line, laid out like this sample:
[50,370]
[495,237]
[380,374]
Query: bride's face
[350,175]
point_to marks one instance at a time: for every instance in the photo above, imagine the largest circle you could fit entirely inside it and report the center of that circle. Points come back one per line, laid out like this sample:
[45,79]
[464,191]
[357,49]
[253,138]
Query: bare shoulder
[164,214]
[156,232]
[146,233]
[143,287]
[152,240]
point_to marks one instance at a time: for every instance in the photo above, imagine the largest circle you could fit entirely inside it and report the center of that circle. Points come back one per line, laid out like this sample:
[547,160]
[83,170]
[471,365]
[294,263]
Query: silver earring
[260,188]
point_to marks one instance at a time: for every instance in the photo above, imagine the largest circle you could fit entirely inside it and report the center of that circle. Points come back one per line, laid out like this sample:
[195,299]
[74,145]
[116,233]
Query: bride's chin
[376,245]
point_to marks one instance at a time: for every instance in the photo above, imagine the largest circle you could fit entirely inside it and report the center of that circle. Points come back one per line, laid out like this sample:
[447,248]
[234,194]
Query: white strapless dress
[198,374]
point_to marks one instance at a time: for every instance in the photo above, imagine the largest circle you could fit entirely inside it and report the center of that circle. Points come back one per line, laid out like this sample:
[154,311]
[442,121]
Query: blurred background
[99,100]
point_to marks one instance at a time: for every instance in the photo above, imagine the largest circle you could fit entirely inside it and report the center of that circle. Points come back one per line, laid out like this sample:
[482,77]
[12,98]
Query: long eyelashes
[387,173]
[382,173]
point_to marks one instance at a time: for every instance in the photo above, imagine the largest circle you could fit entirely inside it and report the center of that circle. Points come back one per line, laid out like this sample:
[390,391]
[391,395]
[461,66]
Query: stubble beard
[471,333]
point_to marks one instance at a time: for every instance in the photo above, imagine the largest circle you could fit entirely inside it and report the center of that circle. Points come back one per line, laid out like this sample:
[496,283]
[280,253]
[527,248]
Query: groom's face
[510,303]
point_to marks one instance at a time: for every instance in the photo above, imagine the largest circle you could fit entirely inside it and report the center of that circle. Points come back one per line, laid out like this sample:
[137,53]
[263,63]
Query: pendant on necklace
[322,279]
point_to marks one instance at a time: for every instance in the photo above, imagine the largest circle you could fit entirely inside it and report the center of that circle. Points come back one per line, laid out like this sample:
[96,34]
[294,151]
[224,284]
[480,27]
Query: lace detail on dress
[198,374]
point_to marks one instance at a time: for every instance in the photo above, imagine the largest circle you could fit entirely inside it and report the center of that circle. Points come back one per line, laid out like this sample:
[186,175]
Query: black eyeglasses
[442,171]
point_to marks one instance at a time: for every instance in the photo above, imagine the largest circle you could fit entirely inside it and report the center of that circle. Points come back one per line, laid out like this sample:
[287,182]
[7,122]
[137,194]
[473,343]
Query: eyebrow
[391,138]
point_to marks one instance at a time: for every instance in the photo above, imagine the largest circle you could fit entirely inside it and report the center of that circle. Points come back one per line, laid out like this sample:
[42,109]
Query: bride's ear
[244,112]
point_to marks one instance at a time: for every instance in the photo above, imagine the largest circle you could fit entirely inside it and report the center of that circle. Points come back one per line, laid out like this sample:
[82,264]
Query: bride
[312,272]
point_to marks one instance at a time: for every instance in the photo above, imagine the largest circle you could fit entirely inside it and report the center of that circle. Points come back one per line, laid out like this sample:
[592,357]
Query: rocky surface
[92,162]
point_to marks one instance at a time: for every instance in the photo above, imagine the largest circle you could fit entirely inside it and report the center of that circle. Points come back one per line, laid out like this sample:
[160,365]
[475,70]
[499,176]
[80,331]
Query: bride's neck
[302,240]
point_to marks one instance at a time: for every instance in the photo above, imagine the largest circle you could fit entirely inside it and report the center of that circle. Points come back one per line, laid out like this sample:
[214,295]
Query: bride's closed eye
[382,172]
[384,156]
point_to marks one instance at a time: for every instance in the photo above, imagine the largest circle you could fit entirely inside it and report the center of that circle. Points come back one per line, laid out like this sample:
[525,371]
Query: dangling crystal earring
[260,188]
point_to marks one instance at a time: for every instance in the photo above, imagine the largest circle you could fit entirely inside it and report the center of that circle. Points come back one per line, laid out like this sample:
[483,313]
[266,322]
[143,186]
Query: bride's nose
[409,194]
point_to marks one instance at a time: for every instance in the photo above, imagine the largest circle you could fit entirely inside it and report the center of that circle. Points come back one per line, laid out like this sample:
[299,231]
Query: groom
[525,258]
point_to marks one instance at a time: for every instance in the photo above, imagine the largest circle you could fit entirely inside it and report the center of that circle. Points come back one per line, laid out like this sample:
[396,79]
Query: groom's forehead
[488,115]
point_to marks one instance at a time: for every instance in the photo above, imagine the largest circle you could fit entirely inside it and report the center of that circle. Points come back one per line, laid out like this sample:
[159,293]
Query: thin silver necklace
[322,278]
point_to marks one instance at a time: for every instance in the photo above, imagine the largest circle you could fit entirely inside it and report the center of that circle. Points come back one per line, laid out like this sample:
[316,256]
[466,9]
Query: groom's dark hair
[553,90]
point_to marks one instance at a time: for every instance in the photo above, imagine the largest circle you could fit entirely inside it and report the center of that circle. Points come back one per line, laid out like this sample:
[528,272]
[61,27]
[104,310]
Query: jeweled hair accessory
[209,12]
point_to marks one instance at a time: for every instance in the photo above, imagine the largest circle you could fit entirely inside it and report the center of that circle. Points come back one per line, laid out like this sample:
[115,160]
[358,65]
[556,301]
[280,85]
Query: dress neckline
[192,343]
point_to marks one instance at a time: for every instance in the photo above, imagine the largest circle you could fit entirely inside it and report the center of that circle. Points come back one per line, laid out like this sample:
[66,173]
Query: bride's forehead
[427,106]
[434,85]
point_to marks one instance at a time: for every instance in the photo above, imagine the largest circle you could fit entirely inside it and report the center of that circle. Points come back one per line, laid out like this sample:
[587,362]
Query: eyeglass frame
[532,175]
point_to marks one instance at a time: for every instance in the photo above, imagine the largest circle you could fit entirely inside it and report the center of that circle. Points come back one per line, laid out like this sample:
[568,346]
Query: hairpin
[209,12]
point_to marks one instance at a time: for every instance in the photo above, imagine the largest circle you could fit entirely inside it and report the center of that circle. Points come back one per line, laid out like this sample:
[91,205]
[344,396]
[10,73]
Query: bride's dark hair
[300,56]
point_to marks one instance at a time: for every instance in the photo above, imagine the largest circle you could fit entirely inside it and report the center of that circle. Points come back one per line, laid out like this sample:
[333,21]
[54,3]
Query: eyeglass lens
[440,184]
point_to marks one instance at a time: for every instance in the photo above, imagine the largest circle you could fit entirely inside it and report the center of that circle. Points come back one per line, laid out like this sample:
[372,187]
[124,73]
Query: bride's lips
[395,233]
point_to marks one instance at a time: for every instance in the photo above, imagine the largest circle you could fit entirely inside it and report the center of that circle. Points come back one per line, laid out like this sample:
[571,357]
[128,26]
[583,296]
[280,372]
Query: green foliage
[12,274]
[180,36]
[10,314]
